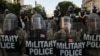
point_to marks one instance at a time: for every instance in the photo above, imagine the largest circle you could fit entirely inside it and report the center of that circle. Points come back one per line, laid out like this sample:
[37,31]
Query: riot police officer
[82,15]
[93,28]
[10,27]
[71,10]
[57,12]
[43,13]
[38,30]
[94,10]
[57,17]
[66,33]
[72,14]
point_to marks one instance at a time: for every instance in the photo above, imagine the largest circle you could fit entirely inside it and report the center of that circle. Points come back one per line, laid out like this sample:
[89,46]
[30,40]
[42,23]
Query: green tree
[14,8]
[77,10]
[16,1]
[29,7]
[38,8]
[43,13]
[64,7]
[3,5]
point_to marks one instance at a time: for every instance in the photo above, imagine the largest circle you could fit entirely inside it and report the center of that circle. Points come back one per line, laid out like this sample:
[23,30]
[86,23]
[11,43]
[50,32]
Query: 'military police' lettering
[92,41]
[38,48]
[8,41]
[11,38]
[7,45]
[93,44]
[91,37]
[38,44]
[70,49]
[77,52]
[45,51]
[70,45]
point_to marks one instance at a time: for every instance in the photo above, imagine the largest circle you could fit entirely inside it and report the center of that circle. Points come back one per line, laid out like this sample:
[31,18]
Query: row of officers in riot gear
[38,32]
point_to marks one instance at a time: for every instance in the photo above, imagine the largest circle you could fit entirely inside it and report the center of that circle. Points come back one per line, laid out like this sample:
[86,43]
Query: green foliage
[16,1]
[38,8]
[3,5]
[64,7]
[13,7]
[77,10]
[16,8]
[30,7]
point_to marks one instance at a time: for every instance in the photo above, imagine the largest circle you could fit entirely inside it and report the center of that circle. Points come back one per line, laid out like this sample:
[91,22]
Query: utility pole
[35,3]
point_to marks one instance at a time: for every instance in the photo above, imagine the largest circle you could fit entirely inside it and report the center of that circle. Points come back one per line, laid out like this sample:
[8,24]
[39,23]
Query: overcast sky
[50,4]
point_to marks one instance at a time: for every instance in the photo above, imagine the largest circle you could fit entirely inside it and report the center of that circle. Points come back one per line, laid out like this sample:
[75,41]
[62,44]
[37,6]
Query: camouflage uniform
[22,37]
[12,29]
[66,32]
[92,18]
[63,36]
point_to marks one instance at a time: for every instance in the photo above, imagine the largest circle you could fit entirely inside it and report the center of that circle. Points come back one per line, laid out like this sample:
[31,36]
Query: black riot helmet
[6,11]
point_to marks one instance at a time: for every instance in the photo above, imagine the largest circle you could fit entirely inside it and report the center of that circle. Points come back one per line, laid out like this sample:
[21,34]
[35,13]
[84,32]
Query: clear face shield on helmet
[10,22]
[66,23]
[37,22]
[93,22]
